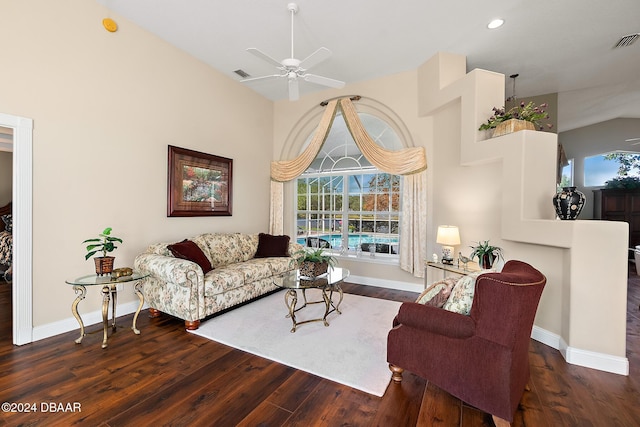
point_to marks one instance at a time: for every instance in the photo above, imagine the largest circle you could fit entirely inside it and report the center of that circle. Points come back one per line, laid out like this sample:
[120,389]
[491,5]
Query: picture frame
[198,184]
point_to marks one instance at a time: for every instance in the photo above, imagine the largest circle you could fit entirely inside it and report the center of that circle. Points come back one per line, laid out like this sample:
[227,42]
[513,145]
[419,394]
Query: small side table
[447,269]
[109,293]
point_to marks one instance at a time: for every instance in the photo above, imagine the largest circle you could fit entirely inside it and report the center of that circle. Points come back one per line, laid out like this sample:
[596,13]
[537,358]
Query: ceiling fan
[632,140]
[292,69]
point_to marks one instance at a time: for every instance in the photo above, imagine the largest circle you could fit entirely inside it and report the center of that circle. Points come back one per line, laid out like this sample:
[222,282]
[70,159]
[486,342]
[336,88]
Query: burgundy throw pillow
[190,251]
[276,246]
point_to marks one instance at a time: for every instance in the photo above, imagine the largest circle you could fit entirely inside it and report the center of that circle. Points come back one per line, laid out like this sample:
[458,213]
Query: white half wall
[584,302]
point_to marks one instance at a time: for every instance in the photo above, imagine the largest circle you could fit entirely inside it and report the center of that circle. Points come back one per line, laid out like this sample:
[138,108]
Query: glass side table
[447,269]
[109,293]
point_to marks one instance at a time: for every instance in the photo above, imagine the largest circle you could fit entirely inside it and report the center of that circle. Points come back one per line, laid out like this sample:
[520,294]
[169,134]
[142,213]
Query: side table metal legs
[138,289]
[109,294]
[74,309]
[106,293]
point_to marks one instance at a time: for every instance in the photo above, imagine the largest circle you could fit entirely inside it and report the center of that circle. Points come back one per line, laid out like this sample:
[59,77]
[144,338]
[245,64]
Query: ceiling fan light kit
[292,68]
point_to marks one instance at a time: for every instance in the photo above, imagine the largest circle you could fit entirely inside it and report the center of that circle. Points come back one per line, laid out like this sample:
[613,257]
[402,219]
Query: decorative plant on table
[105,243]
[314,262]
[486,254]
[527,112]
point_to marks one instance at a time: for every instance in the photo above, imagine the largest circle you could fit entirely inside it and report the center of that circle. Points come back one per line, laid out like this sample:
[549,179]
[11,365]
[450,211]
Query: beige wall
[6,171]
[105,106]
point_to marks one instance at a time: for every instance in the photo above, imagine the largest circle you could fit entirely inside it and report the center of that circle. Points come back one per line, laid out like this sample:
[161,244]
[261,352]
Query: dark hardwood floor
[167,376]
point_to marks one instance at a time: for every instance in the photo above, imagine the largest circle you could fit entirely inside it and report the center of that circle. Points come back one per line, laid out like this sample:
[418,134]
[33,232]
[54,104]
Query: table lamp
[448,236]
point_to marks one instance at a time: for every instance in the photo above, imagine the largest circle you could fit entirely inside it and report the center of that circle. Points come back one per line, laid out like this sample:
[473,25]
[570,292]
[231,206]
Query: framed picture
[199,184]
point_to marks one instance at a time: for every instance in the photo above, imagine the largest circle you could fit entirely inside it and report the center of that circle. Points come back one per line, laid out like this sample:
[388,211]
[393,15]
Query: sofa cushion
[190,251]
[272,246]
[233,276]
[221,280]
[280,265]
[438,293]
[461,297]
[231,248]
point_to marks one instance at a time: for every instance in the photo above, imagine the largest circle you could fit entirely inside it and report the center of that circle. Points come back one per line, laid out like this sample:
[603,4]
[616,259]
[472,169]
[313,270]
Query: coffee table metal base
[291,300]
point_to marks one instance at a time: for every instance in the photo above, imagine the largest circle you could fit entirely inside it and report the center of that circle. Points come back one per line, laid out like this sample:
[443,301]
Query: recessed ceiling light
[495,23]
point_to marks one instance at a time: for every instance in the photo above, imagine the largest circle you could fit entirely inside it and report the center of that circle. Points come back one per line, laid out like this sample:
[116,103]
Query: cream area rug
[352,350]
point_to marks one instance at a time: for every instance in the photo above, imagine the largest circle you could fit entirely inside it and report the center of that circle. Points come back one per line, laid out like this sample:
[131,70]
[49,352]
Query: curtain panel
[409,162]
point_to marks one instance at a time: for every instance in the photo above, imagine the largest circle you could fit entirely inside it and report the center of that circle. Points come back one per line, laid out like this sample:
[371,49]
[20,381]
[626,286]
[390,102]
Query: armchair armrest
[436,320]
[177,271]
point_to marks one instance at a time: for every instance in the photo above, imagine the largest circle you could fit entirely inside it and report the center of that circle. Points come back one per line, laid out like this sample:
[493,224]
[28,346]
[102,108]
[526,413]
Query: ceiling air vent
[242,73]
[627,40]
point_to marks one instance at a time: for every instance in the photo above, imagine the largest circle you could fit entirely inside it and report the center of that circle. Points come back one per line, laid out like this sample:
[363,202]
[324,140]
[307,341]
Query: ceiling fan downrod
[293,8]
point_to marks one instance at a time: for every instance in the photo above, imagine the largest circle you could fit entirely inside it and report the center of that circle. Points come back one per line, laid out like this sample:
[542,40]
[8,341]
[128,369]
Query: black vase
[568,203]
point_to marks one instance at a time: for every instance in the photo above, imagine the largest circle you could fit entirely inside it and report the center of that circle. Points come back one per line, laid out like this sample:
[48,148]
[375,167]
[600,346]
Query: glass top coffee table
[327,283]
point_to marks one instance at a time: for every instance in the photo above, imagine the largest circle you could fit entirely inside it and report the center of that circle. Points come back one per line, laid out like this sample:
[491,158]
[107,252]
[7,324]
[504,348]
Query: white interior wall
[587,326]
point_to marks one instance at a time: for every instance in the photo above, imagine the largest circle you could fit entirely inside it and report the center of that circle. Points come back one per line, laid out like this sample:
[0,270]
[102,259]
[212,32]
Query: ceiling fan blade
[253,79]
[324,81]
[315,58]
[294,92]
[264,56]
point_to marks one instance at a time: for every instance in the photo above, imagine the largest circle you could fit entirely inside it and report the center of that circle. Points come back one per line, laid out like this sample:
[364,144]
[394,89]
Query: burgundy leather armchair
[482,359]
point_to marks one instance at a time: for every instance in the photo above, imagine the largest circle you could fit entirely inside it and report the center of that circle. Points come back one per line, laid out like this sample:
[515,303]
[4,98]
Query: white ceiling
[561,46]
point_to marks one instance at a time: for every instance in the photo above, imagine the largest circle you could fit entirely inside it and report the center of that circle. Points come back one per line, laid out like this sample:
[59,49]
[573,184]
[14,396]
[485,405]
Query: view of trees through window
[371,211]
[608,166]
[566,179]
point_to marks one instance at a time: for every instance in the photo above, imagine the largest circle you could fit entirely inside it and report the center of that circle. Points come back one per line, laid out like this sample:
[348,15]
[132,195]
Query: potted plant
[314,262]
[486,254]
[529,116]
[105,243]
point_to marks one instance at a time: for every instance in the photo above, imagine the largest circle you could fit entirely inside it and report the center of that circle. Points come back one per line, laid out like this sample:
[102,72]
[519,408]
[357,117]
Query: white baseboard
[89,319]
[575,356]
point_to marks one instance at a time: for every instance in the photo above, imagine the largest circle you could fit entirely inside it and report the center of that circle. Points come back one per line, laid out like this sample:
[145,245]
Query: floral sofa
[212,272]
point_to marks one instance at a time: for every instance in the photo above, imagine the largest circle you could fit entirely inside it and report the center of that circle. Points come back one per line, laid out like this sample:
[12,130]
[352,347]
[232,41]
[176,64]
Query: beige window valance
[398,162]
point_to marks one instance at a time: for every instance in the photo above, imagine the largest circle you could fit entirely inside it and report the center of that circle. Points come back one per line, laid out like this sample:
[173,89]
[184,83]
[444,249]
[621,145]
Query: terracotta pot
[104,264]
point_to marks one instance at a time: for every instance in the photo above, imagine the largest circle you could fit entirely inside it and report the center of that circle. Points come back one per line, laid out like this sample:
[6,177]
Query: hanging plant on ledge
[523,116]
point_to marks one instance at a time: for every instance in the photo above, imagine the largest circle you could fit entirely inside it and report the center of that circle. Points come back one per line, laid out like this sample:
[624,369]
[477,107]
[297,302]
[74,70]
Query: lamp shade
[448,235]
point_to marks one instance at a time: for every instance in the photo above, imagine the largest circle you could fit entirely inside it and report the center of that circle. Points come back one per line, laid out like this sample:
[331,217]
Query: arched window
[343,202]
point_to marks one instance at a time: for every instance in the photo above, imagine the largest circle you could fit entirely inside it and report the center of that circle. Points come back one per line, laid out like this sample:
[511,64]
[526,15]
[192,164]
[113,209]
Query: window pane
[368,219]
[354,203]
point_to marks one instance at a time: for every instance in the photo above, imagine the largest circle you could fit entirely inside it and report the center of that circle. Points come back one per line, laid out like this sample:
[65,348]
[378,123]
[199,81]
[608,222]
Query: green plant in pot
[105,243]
[486,254]
[314,262]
